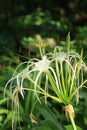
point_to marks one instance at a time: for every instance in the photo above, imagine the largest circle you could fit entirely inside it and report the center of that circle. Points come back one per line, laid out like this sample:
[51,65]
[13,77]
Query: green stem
[73,122]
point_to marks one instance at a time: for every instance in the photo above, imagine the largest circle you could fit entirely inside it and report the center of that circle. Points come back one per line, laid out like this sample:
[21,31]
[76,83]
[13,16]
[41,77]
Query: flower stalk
[69,111]
[73,122]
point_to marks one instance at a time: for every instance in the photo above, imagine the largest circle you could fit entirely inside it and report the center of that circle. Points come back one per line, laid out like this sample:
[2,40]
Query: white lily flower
[42,65]
[16,82]
[61,56]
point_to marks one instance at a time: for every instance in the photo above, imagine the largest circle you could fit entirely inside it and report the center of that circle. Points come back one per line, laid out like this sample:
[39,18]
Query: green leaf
[69,127]
[47,125]
[50,117]
[3,100]
[3,111]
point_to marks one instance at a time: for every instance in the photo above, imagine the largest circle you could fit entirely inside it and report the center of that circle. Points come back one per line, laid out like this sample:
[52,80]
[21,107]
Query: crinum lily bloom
[69,70]
[16,82]
[36,67]
[42,66]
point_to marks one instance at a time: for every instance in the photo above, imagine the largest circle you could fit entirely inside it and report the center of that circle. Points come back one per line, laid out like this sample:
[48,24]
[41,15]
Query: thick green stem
[73,122]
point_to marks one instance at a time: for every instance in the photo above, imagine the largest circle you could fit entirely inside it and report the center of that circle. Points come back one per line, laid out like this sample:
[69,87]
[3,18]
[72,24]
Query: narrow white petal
[55,77]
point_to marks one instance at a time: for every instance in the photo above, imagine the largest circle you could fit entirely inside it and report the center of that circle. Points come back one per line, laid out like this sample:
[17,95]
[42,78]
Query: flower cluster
[64,76]
[58,75]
